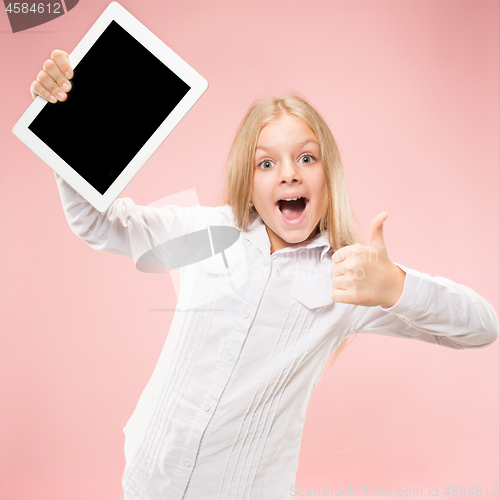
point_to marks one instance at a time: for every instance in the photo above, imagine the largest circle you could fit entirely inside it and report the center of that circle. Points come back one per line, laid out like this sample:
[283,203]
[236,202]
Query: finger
[340,255]
[340,283]
[37,89]
[338,270]
[50,85]
[55,81]
[377,230]
[353,297]
[341,296]
[61,58]
[345,252]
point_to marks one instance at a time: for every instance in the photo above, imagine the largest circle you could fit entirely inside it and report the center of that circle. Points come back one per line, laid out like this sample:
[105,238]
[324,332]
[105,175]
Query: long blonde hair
[337,219]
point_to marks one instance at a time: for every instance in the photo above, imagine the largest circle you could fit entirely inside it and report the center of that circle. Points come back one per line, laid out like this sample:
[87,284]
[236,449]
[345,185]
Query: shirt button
[206,407]
[187,463]
[266,263]
[229,355]
[246,314]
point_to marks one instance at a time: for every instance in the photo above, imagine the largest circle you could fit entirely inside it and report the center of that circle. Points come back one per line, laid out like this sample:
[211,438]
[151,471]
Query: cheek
[325,195]
[322,195]
[255,195]
[320,185]
[260,191]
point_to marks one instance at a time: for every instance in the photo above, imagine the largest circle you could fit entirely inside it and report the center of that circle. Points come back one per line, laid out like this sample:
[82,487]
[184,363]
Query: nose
[289,173]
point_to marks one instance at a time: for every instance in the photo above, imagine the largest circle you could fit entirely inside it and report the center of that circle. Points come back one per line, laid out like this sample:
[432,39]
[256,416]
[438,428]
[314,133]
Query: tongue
[292,209]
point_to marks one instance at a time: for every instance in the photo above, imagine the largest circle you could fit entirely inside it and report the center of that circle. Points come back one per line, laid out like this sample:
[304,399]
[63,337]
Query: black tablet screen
[121,94]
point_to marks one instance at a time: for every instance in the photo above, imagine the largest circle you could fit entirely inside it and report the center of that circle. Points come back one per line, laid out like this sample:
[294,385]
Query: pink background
[410,90]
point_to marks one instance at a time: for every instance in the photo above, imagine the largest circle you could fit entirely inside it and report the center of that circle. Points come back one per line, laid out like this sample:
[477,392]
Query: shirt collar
[257,235]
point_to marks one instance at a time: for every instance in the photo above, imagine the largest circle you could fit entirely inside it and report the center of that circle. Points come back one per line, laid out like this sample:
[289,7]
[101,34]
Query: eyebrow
[302,144]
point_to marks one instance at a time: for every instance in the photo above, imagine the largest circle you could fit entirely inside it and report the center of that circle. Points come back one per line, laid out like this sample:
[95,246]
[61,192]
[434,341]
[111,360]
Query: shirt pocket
[312,290]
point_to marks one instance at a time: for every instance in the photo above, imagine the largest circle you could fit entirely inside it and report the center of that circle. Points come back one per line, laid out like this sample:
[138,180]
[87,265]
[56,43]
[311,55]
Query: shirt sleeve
[435,310]
[126,228]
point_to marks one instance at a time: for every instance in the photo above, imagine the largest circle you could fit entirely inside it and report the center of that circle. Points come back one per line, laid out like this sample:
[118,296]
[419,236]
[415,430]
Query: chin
[295,237]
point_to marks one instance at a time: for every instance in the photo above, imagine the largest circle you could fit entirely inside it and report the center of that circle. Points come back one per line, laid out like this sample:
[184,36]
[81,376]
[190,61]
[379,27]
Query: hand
[366,276]
[53,82]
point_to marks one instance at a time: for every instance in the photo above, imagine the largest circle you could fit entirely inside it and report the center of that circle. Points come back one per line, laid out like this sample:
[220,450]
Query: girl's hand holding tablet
[53,82]
[365,275]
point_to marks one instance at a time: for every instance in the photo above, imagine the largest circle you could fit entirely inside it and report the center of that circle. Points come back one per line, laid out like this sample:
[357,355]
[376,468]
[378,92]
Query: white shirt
[223,413]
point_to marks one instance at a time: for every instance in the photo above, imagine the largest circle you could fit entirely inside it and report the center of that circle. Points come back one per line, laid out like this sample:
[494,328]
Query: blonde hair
[337,219]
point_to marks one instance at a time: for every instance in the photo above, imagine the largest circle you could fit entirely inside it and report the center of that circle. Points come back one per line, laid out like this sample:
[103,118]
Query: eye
[265,164]
[307,158]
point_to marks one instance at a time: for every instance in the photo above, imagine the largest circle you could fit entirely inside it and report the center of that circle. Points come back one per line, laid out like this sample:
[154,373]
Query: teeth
[291,199]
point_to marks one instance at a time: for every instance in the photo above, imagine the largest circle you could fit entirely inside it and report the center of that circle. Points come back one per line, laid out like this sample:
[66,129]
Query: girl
[223,413]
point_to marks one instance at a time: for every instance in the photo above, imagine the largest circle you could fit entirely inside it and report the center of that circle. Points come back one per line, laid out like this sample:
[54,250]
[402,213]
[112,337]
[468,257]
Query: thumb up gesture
[365,275]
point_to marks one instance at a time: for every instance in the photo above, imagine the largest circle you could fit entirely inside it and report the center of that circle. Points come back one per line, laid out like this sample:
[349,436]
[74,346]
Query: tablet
[129,92]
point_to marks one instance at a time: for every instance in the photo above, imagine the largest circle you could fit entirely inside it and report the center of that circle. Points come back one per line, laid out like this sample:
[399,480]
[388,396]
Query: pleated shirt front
[223,415]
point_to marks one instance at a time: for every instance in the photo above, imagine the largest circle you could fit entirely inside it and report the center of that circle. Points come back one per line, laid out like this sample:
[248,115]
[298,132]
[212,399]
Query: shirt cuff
[416,295]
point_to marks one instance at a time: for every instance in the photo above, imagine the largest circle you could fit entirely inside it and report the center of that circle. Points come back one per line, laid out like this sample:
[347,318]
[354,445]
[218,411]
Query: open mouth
[292,209]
